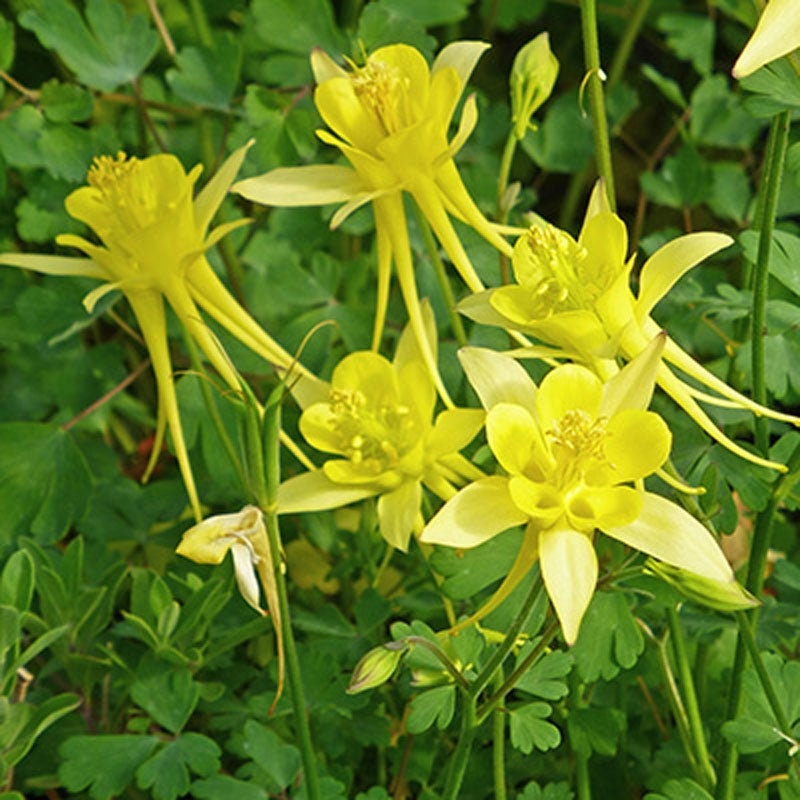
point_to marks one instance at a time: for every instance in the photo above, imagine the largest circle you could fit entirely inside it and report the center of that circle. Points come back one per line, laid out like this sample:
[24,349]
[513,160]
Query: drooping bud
[532,78]
[719,595]
[376,667]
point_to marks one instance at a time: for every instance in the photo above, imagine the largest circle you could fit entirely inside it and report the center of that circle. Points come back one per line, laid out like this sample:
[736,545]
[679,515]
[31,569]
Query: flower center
[372,436]
[382,89]
[577,439]
[125,190]
[548,262]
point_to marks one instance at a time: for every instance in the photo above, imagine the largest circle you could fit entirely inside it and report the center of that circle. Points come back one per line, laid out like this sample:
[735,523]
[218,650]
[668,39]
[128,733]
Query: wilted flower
[245,536]
[154,238]
[576,296]
[533,76]
[390,118]
[378,421]
[777,33]
[569,451]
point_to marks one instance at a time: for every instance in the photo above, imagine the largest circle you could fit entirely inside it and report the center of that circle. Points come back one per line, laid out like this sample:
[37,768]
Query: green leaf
[281,761]
[432,706]
[682,181]
[167,772]
[691,38]
[297,26]
[680,789]
[65,102]
[37,719]
[545,677]
[784,256]
[428,14]
[207,76]
[775,89]
[105,765]
[169,696]
[380,24]
[17,580]
[595,730]
[730,193]
[530,729]
[6,44]
[609,639]
[46,482]
[563,142]
[718,116]
[224,787]
[668,87]
[113,50]
[552,791]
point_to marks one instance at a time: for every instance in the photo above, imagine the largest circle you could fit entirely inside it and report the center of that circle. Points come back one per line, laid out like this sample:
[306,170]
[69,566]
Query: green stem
[776,153]
[441,275]
[749,639]
[762,534]
[499,746]
[594,88]
[583,784]
[499,656]
[432,647]
[460,759]
[272,428]
[692,707]
[502,203]
[212,410]
[626,42]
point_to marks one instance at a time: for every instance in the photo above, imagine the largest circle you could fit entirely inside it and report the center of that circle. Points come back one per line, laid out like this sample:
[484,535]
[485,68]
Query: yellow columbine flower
[154,237]
[245,536]
[777,33]
[390,119]
[377,420]
[576,296]
[569,449]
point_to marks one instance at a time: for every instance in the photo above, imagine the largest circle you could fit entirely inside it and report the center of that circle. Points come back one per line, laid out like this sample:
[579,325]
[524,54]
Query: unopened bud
[533,76]
[376,667]
[719,595]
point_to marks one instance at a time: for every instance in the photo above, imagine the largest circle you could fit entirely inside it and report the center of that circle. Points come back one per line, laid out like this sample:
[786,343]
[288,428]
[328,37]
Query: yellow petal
[513,435]
[637,444]
[569,569]
[324,67]
[671,262]
[397,513]
[462,56]
[498,378]
[542,502]
[667,532]
[632,386]
[777,33]
[567,388]
[55,265]
[314,491]
[602,507]
[245,574]
[210,197]
[454,429]
[313,185]
[605,239]
[476,514]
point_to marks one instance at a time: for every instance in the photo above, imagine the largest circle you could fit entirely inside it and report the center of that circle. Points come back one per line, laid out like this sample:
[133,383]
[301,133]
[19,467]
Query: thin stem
[583,785]
[432,647]
[499,746]
[441,276]
[762,534]
[460,759]
[272,427]
[499,656]
[502,201]
[626,42]
[749,639]
[776,153]
[594,88]
[692,707]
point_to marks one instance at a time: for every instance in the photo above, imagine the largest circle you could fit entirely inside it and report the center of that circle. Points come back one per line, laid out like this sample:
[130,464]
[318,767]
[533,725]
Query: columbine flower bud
[376,667]
[532,78]
[719,595]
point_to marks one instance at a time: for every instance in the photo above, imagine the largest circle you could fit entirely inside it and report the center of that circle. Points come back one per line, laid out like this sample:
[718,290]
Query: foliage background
[147,676]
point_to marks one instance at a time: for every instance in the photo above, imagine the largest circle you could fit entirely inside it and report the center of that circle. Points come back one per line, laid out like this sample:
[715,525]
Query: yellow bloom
[390,119]
[377,420]
[777,33]
[154,237]
[245,536]
[568,450]
[576,296]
